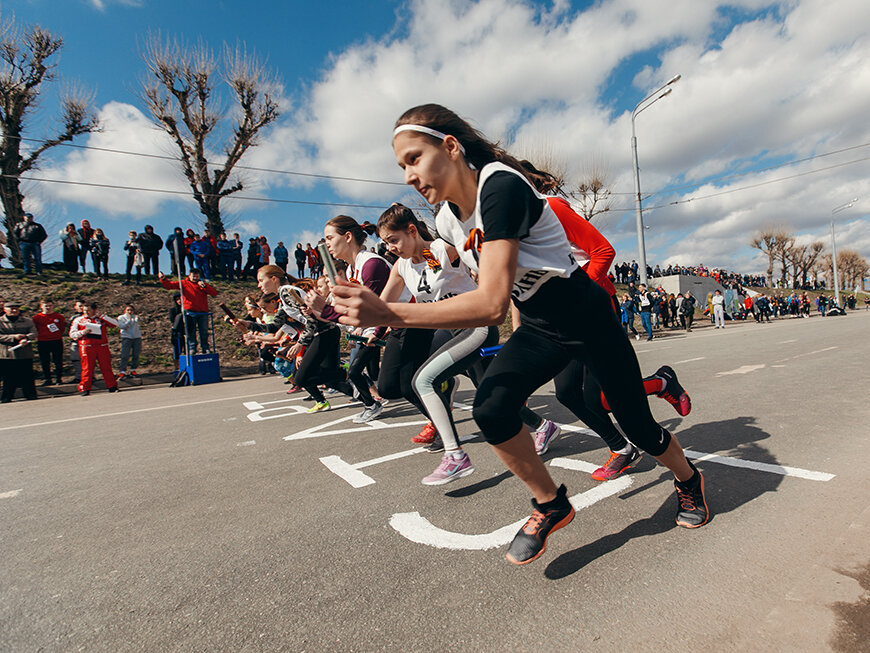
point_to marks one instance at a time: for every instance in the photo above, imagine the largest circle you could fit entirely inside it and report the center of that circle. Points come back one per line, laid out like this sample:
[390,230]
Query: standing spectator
[644,301]
[100,252]
[50,327]
[177,252]
[75,358]
[201,250]
[265,251]
[300,256]
[86,234]
[150,245]
[194,302]
[16,353]
[30,236]
[253,262]
[672,310]
[89,330]
[687,310]
[313,260]
[213,254]
[627,307]
[133,247]
[718,309]
[238,246]
[188,240]
[71,242]
[131,340]
[282,256]
[226,257]
[176,321]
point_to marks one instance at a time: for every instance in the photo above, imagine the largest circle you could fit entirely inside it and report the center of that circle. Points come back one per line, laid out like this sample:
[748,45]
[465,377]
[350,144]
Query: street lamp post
[842,207]
[641,245]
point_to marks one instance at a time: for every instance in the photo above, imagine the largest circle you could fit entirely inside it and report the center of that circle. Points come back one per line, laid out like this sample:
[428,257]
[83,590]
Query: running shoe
[454,465]
[426,435]
[531,540]
[544,435]
[436,446]
[293,388]
[674,393]
[369,413]
[692,512]
[133,373]
[120,375]
[616,464]
[114,389]
[318,407]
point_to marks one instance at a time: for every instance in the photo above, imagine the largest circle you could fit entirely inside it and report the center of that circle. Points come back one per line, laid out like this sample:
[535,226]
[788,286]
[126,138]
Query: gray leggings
[130,346]
[454,357]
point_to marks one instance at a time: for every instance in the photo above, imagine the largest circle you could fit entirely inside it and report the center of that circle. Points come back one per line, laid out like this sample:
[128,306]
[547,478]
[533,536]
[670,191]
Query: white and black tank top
[508,207]
[435,278]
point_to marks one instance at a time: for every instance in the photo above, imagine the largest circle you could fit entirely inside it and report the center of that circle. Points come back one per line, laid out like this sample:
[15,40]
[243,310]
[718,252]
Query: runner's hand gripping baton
[328,263]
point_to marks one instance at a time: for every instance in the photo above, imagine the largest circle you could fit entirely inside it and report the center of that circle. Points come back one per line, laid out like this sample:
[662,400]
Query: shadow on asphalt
[727,488]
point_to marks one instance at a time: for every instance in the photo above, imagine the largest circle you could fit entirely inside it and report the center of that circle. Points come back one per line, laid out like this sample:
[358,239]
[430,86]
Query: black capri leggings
[587,331]
[320,364]
[366,359]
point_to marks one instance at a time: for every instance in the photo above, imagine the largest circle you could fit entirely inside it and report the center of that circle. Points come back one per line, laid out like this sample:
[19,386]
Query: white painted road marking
[130,412]
[320,431]
[797,472]
[690,360]
[285,411]
[249,443]
[785,342]
[745,369]
[416,528]
[350,472]
[10,494]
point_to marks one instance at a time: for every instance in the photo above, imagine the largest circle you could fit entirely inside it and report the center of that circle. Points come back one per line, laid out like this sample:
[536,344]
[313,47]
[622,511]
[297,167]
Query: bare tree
[852,266]
[809,258]
[592,193]
[25,63]
[771,242]
[795,256]
[180,91]
[785,246]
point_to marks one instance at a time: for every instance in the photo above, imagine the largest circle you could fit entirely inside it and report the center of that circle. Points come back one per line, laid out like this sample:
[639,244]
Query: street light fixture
[644,104]
[842,207]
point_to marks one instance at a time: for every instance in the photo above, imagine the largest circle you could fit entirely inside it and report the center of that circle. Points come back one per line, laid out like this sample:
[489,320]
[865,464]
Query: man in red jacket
[49,340]
[89,330]
[194,302]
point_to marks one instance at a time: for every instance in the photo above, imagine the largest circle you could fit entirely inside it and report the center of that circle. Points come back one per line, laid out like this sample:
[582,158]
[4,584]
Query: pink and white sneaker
[454,464]
[544,435]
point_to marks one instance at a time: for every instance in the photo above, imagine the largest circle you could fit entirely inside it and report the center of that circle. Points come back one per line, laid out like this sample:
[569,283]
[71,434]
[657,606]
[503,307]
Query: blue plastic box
[201,368]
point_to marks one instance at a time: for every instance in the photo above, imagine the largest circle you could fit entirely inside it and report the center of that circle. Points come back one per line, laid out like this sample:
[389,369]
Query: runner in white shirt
[521,253]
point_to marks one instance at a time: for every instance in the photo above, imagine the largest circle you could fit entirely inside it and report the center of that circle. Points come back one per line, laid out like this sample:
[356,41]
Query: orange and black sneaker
[616,464]
[531,540]
[692,511]
[426,435]
[673,392]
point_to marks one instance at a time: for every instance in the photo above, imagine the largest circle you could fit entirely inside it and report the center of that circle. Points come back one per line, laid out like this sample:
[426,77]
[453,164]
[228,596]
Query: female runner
[431,270]
[518,248]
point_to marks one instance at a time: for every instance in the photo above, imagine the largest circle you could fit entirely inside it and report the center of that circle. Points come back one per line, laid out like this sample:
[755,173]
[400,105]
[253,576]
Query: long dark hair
[478,149]
[344,223]
[399,217]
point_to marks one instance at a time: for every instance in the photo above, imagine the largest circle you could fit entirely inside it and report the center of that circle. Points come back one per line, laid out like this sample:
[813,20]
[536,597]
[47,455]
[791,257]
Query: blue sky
[763,83]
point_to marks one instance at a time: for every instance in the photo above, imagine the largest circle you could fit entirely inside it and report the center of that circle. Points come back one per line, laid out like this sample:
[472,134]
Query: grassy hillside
[152,303]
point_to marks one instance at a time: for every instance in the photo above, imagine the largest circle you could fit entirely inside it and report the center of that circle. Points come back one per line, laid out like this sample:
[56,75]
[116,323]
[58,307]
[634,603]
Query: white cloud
[247,228]
[125,128]
[788,84]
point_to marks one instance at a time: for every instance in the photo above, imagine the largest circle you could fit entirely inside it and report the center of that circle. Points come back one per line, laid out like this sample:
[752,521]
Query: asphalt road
[163,519]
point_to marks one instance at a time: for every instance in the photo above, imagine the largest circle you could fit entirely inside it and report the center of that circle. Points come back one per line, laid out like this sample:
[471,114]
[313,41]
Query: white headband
[425,130]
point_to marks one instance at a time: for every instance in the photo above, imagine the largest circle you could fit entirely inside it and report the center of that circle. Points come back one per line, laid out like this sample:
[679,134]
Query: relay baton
[227,310]
[328,263]
[489,351]
[353,338]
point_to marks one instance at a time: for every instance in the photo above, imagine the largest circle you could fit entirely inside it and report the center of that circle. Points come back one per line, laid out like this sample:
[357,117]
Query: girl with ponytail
[504,229]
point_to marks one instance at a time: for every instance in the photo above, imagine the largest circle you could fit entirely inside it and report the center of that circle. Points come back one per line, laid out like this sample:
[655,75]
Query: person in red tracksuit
[89,330]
